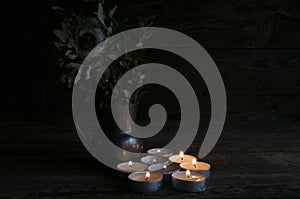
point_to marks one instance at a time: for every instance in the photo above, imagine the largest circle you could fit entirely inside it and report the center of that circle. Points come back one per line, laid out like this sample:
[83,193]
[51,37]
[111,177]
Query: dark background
[256,46]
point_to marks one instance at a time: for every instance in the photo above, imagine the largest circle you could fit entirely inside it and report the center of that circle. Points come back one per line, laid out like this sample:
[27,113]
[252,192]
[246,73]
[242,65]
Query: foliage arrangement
[79,34]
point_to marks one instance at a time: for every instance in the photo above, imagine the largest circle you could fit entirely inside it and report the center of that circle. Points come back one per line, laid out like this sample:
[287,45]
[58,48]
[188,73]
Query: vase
[120,135]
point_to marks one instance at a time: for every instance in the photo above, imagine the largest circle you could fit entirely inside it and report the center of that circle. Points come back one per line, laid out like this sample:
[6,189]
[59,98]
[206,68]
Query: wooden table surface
[249,161]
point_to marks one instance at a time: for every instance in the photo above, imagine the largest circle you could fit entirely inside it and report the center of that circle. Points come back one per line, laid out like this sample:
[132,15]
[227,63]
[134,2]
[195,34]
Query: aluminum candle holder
[181,157]
[160,151]
[200,167]
[165,170]
[145,181]
[127,168]
[154,159]
[188,181]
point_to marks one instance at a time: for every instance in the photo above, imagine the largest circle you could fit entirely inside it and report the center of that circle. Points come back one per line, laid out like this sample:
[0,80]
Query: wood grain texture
[256,46]
[260,84]
[218,24]
[249,161]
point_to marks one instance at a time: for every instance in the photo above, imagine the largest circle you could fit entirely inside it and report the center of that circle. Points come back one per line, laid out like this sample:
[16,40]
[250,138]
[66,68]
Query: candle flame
[147,175]
[130,163]
[188,174]
[165,166]
[158,150]
[194,162]
[181,155]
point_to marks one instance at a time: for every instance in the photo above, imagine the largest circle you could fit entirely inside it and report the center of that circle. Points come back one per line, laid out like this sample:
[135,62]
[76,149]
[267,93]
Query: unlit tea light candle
[165,170]
[161,151]
[145,181]
[188,181]
[154,159]
[181,157]
[194,165]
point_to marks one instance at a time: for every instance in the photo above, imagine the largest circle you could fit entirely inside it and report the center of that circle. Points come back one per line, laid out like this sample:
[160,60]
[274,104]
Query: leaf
[71,43]
[61,35]
[66,28]
[59,45]
[73,65]
[146,21]
[70,55]
[112,12]
[100,14]
[57,8]
[112,56]
[126,92]
[109,29]
[139,45]
[142,77]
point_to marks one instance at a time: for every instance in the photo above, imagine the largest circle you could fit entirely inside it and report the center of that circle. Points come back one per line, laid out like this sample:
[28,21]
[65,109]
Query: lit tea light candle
[161,151]
[200,167]
[165,170]
[155,159]
[181,157]
[127,168]
[145,181]
[189,181]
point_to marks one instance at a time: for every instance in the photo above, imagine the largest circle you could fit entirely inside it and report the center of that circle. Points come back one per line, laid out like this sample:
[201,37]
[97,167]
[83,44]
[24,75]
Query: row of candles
[183,171]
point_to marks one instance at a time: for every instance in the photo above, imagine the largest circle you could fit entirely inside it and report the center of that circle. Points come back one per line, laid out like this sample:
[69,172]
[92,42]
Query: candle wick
[194,162]
[181,155]
[188,174]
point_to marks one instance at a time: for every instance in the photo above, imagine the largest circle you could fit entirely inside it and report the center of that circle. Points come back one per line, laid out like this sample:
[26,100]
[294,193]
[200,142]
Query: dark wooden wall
[255,44]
